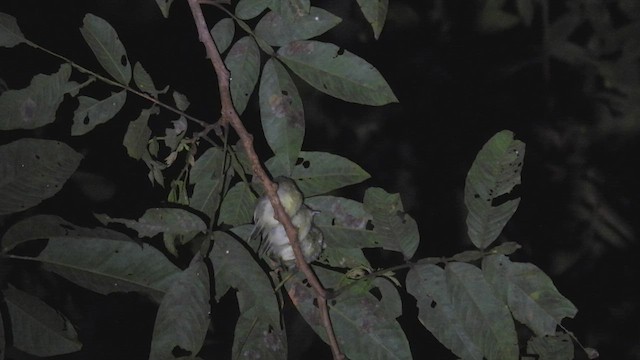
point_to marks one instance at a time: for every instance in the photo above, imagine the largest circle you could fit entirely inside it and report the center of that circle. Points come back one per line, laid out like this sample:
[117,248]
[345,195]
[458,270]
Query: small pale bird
[263,214]
[276,241]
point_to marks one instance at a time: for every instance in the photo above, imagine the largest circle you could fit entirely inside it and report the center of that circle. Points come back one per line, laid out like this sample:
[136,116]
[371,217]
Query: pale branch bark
[230,116]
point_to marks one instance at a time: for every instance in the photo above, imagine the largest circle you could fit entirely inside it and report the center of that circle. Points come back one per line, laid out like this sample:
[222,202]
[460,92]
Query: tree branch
[230,116]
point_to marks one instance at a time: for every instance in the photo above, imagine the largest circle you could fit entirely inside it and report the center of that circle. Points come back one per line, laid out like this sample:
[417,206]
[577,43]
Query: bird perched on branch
[264,216]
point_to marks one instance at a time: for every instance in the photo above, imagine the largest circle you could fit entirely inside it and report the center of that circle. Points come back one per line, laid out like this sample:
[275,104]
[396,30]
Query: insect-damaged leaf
[92,112]
[138,134]
[161,220]
[33,170]
[494,173]
[183,317]
[107,47]
[281,113]
[337,72]
[36,105]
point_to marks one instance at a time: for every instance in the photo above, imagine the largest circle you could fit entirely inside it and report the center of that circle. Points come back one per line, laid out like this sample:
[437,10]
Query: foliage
[468,301]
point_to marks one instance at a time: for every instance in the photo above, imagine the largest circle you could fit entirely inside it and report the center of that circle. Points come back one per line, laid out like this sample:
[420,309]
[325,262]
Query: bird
[276,241]
[264,216]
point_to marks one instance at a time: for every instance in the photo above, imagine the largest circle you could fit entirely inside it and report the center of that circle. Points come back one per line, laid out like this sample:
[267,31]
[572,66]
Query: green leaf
[375,11]
[398,230]
[144,82]
[138,133]
[558,347]
[183,317]
[10,34]
[365,329]
[107,47]
[336,72]
[248,9]
[92,112]
[291,9]
[427,283]
[222,34]
[390,297]
[344,225]
[161,220]
[279,31]
[237,205]
[494,173]
[529,293]
[106,265]
[459,308]
[255,338]
[207,174]
[37,328]
[46,226]
[182,103]
[235,267]
[206,196]
[281,113]
[320,172]
[209,165]
[33,170]
[36,105]
[164,6]
[243,62]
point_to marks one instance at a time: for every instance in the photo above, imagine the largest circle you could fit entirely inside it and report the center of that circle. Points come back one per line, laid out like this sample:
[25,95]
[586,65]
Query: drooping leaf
[164,6]
[255,338]
[343,223]
[46,226]
[235,267]
[365,329]
[10,34]
[398,230]
[183,317]
[557,347]
[106,265]
[248,9]
[222,34]
[281,113]
[529,293]
[92,112]
[33,170]
[494,173]
[458,306]
[279,31]
[107,47]
[138,133]
[37,328]
[375,11]
[336,72]
[243,62]
[161,220]
[36,105]
[320,172]
[237,205]
[144,81]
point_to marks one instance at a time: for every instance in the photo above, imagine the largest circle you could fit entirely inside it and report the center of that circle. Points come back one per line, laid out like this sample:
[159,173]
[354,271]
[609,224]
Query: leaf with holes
[320,172]
[375,11]
[558,347]
[337,72]
[183,316]
[105,265]
[493,174]
[281,113]
[32,170]
[138,133]
[107,47]
[92,112]
[36,105]
[364,328]
[398,231]
[37,328]
[161,220]
[529,293]
[10,34]
[278,31]
[243,62]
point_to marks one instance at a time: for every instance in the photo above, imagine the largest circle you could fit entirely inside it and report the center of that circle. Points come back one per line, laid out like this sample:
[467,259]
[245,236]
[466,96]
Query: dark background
[457,86]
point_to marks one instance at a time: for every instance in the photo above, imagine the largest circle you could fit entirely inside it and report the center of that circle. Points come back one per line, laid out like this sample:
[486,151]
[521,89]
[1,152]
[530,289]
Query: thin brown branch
[229,115]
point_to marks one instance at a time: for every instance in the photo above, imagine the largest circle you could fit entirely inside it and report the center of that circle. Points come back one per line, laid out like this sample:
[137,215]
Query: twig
[230,116]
